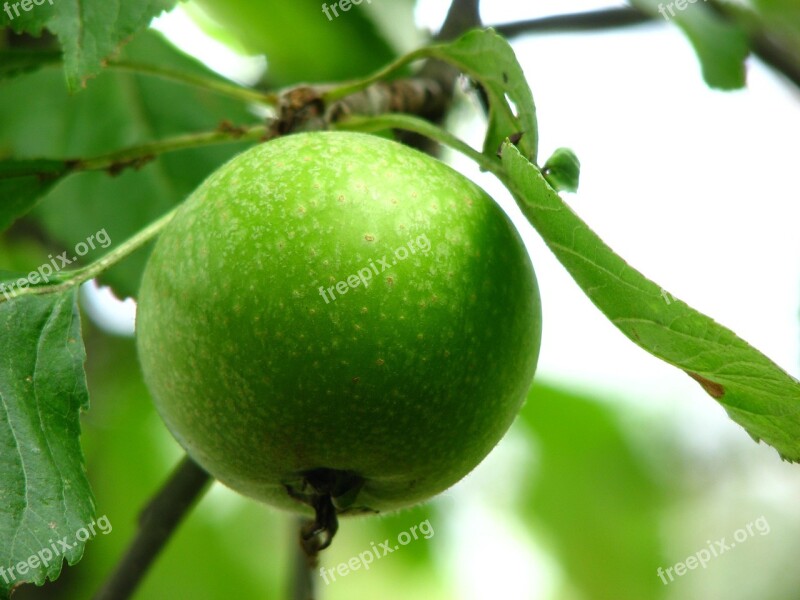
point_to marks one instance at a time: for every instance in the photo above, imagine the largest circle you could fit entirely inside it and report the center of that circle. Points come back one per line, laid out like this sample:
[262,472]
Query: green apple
[338,312]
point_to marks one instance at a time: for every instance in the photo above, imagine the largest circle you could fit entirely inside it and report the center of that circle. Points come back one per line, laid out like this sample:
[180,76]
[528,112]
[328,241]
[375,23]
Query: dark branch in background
[462,16]
[598,20]
[766,46]
[763,45]
[772,53]
[157,522]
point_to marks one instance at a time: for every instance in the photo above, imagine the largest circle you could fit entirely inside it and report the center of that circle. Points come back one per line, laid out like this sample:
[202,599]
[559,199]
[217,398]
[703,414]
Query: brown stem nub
[317,534]
[329,492]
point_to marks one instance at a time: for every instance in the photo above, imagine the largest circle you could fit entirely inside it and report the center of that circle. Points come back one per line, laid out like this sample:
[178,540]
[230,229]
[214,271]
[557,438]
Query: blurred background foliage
[586,497]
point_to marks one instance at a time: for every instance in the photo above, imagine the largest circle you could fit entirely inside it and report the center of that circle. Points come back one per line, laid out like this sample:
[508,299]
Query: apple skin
[403,386]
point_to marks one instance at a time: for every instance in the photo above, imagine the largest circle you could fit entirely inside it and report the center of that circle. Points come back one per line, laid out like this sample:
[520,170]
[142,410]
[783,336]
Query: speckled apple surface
[407,382]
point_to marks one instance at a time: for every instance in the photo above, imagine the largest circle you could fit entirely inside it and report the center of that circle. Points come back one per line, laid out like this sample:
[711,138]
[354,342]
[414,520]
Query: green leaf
[300,42]
[756,393]
[488,59]
[562,170]
[119,110]
[593,496]
[44,492]
[90,32]
[721,44]
[23,183]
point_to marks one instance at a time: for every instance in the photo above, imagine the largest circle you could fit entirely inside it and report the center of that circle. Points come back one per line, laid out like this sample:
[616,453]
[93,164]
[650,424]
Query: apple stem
[317,534]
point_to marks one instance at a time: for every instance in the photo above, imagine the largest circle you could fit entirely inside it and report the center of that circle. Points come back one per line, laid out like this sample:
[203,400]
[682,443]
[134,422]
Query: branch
[157,522]
[134,157]
[597,20]
[772,53]
[762,43]
[138,156]
[462,16]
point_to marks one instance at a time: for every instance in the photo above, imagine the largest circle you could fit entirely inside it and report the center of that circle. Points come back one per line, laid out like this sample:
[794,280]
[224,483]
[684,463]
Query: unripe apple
[338,310]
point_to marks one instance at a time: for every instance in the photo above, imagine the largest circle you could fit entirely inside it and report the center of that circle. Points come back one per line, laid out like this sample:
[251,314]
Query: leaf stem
[422,127]
[352,87]
[223,87]
[79,276]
